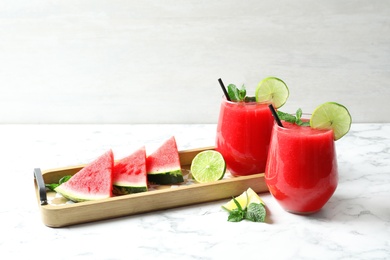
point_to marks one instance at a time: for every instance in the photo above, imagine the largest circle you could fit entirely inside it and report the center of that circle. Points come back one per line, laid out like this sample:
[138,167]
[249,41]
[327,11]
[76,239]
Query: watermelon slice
[163,165]
[129,174]
[92,182]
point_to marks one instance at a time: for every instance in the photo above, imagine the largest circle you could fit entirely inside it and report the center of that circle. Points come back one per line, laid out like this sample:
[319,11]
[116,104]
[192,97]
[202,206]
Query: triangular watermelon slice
[163,165]
[129,174]
[92,182]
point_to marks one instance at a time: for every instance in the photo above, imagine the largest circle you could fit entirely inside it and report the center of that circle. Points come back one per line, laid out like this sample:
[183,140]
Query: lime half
[247,197]
[208,166]
[332,115]
[272,90]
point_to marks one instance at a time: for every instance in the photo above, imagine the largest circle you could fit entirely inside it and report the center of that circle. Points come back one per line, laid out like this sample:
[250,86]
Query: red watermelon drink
[245,125]
[243,136]
[301,171]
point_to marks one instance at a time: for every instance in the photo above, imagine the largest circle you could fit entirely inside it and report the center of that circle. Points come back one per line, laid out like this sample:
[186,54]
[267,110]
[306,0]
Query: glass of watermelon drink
[301,171]
[243,136]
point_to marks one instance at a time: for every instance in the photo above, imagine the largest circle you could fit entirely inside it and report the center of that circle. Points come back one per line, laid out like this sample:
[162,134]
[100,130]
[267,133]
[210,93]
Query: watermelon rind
[124,190]
[163,165]
[78,197]
[129,173]
[169,177]
[92,182]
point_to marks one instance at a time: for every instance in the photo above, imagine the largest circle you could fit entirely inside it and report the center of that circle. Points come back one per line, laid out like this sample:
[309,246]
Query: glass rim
[244,103]
[303,114]
[287,129]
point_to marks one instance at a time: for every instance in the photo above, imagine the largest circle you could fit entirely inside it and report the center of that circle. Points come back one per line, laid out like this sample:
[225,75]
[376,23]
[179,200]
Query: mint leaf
[299,121]
[236,215]
[242,93]
[52,186]
[298,114]
[235,93]
[237,204]
[293,119]
[256,212]
[250,99]
[286,117]
[64,179]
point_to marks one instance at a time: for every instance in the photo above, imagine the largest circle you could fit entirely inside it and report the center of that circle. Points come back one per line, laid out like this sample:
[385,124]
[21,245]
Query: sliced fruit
[129,174]
[247,197]
[272,90]
[163,165]
[241,199]
[332,115]
[208,166]
[92,182]
[253,197]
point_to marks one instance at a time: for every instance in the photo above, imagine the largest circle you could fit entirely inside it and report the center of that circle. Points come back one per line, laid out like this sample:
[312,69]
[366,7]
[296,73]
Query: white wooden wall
[126,61]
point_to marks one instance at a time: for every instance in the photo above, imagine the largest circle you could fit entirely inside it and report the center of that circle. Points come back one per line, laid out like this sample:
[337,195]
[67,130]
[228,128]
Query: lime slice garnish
[272,90]
[247,197]
[208,166]
[332,115]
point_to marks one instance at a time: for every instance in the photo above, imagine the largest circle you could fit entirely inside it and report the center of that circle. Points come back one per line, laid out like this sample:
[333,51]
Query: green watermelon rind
[124,190]
[71,189]
[128,180]
[76,196]
[166,177]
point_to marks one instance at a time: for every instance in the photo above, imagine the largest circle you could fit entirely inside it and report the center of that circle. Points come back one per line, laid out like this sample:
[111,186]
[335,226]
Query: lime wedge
[253,197]
[246,198]
[272,90]
[242,200]
[208,166]
[332,115]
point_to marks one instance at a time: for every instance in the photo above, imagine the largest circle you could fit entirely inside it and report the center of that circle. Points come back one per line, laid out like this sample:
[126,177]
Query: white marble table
[355,223]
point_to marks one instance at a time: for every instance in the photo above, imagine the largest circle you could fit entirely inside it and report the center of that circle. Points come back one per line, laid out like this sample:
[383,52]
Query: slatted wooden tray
[56,212]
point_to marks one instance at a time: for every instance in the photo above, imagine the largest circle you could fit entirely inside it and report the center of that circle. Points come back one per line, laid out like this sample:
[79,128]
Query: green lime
[242,200]
[208,166]
[253,197]
[272,90]
[332,115]
[247,197]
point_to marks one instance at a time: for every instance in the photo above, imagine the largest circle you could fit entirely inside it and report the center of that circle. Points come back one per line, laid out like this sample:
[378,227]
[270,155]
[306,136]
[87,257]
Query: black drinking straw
[277,119]
[224,89]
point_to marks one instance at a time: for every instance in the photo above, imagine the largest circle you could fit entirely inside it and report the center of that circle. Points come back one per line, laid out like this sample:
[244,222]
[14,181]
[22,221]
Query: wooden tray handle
[41,186]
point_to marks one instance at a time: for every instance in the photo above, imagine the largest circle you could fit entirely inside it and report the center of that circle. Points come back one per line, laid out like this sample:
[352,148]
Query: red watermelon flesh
[163,165]
[92,182]
[129,174]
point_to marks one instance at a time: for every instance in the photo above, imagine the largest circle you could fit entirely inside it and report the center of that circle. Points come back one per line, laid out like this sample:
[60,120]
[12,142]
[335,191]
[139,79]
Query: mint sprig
[255,212]
[293,119]
[235,93]
[52,186]
[238,214]
[239,95]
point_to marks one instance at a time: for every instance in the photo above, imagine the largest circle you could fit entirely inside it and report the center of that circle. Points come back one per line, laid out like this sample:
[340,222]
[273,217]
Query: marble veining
[354,224]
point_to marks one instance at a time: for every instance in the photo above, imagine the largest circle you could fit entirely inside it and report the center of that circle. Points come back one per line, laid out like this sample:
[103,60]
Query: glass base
[302,213]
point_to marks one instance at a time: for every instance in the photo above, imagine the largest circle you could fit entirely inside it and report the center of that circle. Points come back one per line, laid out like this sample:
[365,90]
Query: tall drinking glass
[243,136]
[301,171]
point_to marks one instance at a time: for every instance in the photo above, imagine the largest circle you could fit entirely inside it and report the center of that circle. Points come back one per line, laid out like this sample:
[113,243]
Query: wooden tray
[161,197]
